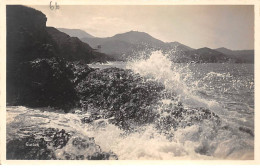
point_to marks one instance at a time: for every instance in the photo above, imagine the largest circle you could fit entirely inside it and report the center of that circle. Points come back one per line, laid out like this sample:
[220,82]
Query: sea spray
[159,67]
[195,135]
[180,80]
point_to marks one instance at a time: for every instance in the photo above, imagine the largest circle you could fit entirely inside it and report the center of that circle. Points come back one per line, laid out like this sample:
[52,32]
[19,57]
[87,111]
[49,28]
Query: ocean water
[225,89]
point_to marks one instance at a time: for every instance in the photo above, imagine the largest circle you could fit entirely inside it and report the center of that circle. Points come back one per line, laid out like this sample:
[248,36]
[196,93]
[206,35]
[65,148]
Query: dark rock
[28,149]
[246,130]
[87,149]
[130,101]
[125,96]
[87,120]
[60,139]
[203,150]
[44,82]
[38,71]
[80,71]
[47,141]
[174,116]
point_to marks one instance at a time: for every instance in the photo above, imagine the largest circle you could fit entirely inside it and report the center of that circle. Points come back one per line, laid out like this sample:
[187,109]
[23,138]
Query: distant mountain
[76,33]
[207,55]
[72,49]
[224,50]
[241,56]
[125,46]
[179,46]
[135,37]
[110,46]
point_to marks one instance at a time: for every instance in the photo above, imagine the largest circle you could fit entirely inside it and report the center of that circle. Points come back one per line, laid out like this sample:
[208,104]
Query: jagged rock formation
[37,60]
[125,95]
[48,141]
[130,101]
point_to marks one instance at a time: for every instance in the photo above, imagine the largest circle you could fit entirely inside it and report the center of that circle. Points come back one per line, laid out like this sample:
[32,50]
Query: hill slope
[207,55]
[72,49]
[127,45]
[242,56]
[76,33]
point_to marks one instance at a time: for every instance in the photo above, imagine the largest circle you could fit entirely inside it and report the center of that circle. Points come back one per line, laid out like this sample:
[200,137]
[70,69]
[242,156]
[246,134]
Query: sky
[197,26]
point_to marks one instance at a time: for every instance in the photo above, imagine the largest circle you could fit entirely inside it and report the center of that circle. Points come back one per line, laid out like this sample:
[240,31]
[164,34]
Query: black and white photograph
[130,82]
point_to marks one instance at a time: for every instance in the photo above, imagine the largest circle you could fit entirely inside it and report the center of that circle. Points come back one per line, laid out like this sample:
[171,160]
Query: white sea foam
[160,68]
[200,141]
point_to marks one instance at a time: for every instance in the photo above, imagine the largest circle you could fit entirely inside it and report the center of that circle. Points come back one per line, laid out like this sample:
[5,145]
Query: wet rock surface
[47,144]
[174,116]
[247,130]
[81,149]
[40,146]
[129,100]
[126,96]
[46,83]
[38,74]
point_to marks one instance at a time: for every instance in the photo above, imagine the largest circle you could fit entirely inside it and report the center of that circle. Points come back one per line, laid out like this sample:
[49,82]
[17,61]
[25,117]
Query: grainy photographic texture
[132,82]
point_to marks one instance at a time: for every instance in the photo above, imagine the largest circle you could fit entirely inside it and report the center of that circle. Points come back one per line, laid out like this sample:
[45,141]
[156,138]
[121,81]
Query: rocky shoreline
[120,97]
[44,144]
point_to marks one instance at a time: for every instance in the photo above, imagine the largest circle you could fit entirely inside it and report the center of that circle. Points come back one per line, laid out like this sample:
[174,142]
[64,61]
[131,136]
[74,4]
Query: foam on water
[181,81]
[160,68]
[146,144]
[201,141]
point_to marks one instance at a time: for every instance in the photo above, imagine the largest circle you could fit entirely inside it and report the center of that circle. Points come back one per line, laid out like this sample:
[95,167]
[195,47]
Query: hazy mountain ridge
[126,46]
[76,33]
[207,55]
[72,49]
[246,56]
[135,37]
[180,46]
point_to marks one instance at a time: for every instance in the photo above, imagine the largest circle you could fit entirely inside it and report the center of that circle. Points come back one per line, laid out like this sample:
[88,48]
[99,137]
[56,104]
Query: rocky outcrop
[39,58]
[129,101]
[126,96]
[174,116]
[47,144]
[32,57]
[45,82]
[85,149]
[40,147]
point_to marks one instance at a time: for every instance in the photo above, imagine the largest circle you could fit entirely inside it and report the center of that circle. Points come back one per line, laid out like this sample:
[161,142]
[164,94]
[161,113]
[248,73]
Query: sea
[224,88]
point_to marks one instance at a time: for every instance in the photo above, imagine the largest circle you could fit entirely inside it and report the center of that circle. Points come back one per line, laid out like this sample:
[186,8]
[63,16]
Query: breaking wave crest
[211,137]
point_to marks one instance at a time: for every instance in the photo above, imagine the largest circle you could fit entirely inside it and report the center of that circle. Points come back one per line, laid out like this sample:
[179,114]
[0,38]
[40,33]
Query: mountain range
[127,46]
[72,49]
[44,64]
[242,55]
[75,33]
